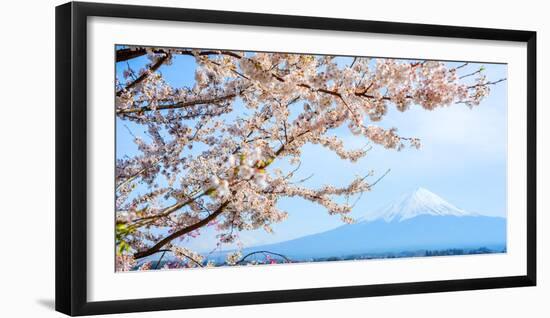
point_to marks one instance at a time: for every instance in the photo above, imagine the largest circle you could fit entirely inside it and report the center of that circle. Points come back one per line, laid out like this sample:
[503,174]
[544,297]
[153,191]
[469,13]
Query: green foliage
[122,230]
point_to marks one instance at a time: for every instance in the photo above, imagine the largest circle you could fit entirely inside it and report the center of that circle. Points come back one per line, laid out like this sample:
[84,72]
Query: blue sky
[462,159]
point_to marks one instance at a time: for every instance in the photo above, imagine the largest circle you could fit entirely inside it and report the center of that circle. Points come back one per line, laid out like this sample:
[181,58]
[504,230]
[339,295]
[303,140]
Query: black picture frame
[71,157]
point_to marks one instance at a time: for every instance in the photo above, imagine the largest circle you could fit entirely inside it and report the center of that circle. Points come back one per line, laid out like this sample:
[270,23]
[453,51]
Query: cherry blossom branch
[145,74]
[176,105]
[232,54]
[189,257]
[132,177]
[156,247]
[177,206]
[131,53]
[197,225]
[472,73]
[171,209]
[487,83]
[359,93]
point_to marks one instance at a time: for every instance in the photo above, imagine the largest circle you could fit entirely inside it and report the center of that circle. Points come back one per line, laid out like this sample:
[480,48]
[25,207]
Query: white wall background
[27,159]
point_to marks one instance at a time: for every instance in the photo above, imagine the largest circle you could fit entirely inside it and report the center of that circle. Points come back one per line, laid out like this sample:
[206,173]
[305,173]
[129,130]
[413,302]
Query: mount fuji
[417,221]
[419,202]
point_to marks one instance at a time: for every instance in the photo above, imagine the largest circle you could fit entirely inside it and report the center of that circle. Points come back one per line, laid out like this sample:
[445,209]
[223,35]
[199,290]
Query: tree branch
[263,252]
[143,76]
[160,259]
[155,248]
[131,178]
[487,83]
[128,54]
[176,105]
[124,54]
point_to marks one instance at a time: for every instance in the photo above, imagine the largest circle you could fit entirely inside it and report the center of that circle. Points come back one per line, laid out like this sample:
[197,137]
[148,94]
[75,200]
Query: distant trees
[205,165]
[460,251]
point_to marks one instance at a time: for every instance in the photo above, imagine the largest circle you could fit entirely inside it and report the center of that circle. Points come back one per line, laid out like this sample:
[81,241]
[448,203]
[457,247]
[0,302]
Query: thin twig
[461,66]
[487,83]
[471,74]
[160,259]
[263,252]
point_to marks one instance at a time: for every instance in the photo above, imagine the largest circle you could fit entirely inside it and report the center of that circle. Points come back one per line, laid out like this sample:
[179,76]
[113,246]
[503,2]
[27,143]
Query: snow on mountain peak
[419,202]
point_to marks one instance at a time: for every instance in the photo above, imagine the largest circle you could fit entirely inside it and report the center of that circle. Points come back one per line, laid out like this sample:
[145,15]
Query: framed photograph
[210,158]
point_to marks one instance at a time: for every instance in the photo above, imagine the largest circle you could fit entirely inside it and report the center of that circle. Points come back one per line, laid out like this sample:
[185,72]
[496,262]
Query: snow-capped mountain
[417,221]
[419,202]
